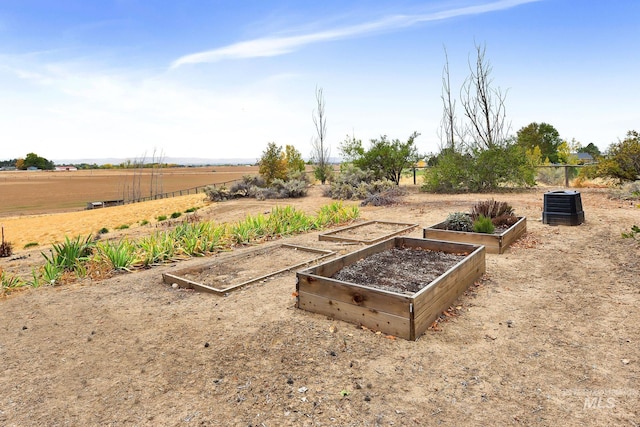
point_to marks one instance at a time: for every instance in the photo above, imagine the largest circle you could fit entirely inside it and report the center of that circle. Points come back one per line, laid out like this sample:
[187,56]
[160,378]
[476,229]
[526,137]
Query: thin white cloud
[274,46]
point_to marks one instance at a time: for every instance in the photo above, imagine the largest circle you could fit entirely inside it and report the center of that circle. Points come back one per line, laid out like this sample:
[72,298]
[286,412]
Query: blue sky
[221,79]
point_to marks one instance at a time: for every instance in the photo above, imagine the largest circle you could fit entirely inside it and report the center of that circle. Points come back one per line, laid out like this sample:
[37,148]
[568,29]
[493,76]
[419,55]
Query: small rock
[509,323]
[206,345]
[290,381]
[174,285]
[626,361]
[302,389]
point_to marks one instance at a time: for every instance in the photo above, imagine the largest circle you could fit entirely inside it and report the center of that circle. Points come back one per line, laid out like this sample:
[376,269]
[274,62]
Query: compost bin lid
[571,192]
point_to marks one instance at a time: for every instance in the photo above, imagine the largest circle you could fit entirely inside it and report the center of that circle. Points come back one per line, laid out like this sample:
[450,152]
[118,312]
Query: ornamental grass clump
[501,214]
[483,224]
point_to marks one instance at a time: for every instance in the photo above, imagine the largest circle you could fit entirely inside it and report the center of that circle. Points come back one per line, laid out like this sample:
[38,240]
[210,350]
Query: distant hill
[184,161]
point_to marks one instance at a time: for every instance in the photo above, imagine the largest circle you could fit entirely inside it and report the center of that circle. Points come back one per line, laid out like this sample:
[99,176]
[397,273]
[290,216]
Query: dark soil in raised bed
[401,270]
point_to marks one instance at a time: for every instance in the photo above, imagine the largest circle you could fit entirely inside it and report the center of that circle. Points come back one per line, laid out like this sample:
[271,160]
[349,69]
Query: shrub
[627,191]
[479,170]
[103,230]
[483,224]
[161,217]
[144,222]
[385,198]
[191,209]
[176,215]
[122,227]
[216,194]
[30,245]
[458,221]
[356,184]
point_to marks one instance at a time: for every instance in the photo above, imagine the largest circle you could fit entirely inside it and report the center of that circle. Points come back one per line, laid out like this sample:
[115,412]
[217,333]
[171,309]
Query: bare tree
[320,150]
[157,163]
[448,127]
[483,105]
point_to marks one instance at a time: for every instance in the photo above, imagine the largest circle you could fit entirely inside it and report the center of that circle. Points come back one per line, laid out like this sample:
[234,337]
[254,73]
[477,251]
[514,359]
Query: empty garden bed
[367,232]
[398,286]
[232,272]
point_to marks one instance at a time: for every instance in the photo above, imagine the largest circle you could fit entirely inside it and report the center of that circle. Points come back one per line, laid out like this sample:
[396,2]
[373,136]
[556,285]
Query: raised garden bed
[401,292]
[496,243]
[233,272]
[367,232]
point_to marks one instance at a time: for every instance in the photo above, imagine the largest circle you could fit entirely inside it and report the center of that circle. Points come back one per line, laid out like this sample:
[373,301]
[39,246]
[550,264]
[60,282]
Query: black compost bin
[562,207]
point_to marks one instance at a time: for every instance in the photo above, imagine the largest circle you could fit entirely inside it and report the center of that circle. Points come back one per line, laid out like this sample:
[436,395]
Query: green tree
[543,136]
[295,162]
[33,160]
[592,149]
[273,163]
[384,158]
[480,170]
[622,160]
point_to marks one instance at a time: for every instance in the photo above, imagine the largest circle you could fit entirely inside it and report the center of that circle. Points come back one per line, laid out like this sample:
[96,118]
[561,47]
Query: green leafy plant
[50,273]
[176,215]
[161,217]
[483,224]
[103,230]
[122,227]
[31,245]
[191,209]
[9,282]
[121,255]
[71,255]
[144,222]
[635,231]
[458,221]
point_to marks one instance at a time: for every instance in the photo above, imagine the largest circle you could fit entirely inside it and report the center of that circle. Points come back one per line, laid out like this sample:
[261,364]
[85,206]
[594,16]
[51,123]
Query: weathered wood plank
[514,233]
[494,243]
[377,320]
[350,293]
[444,291]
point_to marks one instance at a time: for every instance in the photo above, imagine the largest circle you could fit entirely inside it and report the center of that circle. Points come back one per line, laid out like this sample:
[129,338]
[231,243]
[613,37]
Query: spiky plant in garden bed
[500,213]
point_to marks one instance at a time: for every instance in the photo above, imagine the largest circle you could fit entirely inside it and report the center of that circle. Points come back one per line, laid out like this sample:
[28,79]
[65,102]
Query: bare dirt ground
[549,337]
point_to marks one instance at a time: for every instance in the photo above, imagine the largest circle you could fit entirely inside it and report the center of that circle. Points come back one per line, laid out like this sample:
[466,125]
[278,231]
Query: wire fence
[165,195]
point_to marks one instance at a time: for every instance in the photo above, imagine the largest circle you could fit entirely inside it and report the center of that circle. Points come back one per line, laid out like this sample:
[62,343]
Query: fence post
[566,176]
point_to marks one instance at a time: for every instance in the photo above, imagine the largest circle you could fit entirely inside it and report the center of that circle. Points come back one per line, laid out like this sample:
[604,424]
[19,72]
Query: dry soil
[549,336]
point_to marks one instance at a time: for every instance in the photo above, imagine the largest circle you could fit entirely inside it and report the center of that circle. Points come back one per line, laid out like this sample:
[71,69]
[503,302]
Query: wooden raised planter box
[367,232]
[398,314]
[230,273]
[496,243]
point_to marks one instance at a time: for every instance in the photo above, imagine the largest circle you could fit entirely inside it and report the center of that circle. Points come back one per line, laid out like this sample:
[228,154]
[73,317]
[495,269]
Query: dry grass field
[37,192]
